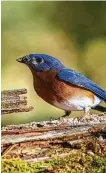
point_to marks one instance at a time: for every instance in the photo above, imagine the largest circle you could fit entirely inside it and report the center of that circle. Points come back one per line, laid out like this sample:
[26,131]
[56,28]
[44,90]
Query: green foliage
[77,162]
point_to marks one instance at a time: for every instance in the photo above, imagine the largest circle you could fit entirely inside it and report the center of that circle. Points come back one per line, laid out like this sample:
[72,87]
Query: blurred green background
[74,32]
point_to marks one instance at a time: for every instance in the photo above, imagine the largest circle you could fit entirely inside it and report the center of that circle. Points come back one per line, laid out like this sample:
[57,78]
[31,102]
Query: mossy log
[55,147]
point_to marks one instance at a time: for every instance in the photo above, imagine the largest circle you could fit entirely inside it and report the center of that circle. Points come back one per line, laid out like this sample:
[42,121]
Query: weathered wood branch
[37,139]
[14,101]
[15,92]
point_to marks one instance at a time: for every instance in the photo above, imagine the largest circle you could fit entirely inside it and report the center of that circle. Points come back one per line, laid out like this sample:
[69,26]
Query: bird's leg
[86,114]
[67,113]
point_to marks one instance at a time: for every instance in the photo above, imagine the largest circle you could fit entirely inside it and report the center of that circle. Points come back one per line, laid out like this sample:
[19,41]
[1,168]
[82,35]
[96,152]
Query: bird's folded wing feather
[75,78]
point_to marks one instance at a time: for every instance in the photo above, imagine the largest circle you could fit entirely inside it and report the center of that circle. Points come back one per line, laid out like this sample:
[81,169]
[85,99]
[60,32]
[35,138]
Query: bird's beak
[22,60]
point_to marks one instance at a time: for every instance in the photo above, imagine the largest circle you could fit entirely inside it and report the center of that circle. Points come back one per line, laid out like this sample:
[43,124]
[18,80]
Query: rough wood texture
[13,101]
[38,141]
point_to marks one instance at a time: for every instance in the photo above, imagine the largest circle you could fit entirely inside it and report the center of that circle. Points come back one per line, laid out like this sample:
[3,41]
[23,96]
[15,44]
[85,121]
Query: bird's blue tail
[105,96]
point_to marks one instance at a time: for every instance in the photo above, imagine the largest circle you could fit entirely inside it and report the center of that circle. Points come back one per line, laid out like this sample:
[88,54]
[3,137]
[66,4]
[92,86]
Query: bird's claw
[83,118]
[62,119]
[53,119]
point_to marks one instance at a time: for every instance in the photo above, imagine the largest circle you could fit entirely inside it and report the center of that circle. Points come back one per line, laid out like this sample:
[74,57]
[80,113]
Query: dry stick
[13,102]
[8,149]
[10,97]
[14,92]
[40,159]
[15,110]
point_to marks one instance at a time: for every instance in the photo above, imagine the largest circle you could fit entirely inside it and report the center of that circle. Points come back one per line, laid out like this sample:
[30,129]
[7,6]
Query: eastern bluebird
[62,87]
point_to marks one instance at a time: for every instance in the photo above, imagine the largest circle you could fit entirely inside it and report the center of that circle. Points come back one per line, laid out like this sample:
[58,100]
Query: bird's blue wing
[75,78]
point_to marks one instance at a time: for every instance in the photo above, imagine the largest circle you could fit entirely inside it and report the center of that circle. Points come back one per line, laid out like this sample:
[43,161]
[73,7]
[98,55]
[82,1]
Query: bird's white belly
[78,103]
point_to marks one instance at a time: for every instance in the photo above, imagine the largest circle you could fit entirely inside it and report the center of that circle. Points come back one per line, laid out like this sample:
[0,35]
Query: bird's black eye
[25,59]
[39,60]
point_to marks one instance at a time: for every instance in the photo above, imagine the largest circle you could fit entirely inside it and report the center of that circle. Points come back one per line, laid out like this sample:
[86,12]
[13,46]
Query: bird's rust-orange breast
[49,88]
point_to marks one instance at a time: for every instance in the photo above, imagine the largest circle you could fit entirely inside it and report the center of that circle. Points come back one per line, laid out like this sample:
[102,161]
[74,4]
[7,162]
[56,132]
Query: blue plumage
[42,62]
[76,78]
[48,63]
[48,72]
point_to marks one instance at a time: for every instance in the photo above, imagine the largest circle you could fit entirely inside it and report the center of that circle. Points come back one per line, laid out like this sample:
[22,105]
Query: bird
[62,87]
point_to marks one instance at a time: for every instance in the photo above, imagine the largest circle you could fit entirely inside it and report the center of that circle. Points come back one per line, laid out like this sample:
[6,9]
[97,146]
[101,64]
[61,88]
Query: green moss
[20,166]
[77,162]
[80,162]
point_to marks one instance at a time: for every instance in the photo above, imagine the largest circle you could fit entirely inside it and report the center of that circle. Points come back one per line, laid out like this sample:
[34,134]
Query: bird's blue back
[75,78]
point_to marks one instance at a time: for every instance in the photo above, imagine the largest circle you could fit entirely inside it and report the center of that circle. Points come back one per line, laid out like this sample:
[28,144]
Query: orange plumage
[49,88]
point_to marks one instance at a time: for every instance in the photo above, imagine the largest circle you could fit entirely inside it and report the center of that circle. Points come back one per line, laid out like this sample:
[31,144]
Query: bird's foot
[84,117]
[53,119]
[62,120]
[67,113]
[59,118]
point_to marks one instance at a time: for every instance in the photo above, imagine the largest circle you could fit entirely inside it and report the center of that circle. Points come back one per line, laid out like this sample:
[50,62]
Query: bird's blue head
[41,62]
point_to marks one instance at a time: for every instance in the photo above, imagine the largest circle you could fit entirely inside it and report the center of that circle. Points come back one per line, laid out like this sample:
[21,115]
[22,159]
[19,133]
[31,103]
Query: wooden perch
[35,141]
[13,101]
